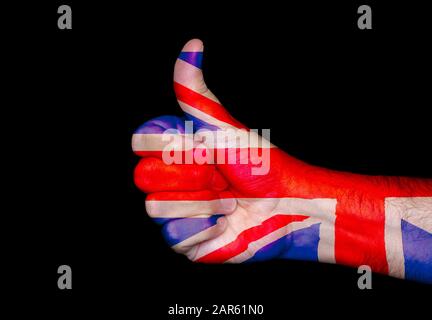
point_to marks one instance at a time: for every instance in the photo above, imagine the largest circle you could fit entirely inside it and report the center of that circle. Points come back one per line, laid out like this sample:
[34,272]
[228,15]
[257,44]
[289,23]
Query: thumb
[193,96]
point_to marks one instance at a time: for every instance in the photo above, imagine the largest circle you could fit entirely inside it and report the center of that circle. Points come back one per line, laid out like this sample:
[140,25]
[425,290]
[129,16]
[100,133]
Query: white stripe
[158,141]
[322,208]
[415,210]
[188,78]
[326,244]
[221,139]
[179,209]
[188,208]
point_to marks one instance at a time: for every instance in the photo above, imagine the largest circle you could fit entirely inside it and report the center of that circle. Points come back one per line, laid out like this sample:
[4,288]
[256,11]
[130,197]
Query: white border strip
[220,139]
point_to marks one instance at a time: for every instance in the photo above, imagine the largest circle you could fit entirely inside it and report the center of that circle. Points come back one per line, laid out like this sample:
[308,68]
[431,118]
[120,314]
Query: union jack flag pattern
[220,211]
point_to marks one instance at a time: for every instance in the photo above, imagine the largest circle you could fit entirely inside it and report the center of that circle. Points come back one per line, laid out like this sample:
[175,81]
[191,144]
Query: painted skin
[231,198]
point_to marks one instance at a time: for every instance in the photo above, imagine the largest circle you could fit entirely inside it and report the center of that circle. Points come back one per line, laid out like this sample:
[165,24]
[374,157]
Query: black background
[332,95]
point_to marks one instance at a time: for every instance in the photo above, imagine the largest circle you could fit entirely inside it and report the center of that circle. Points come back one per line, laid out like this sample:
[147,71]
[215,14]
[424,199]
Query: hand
[223,206]
[249,200]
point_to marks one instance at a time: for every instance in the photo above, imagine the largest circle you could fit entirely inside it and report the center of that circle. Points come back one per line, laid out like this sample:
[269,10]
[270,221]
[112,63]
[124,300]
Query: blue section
[160,124]
[177,230]
[163,123]
[162,221]
[298,245]
[194,58]
[417,247]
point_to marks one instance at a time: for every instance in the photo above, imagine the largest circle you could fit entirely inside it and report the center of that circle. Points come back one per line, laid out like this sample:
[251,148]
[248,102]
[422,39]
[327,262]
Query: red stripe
[204,104]
[241,243]
[359,234]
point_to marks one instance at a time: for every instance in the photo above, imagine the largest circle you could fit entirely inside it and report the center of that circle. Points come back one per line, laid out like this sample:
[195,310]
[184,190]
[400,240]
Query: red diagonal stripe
[204,104]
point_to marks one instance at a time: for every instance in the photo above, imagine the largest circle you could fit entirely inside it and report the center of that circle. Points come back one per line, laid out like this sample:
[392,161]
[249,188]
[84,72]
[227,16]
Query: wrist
[360,217]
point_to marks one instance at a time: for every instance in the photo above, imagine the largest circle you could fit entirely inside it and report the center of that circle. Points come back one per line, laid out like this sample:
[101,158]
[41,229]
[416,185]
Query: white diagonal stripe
[415,210]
